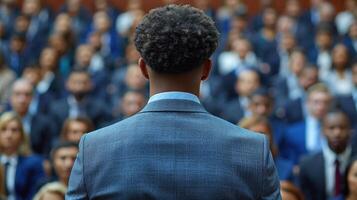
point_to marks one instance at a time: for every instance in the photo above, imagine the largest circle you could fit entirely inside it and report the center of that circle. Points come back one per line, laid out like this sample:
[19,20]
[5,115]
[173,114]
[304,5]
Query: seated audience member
[320,52]
[16,55]
[350,181]
[286,87]
[339,77]
[240,57]
[74,128]
[345,18]
[261,103]
[50,86]
[51,191]
[127,79]
[294,110]
[348,103]
[321,173]
[79,101]
[80,17]
[265,42]
[84,60]
[261,125]
[350,40]
[40,128]
[63,156]
[22,171]
[7,77]
[247,82]
[304,137]
[131,103]
[290,192]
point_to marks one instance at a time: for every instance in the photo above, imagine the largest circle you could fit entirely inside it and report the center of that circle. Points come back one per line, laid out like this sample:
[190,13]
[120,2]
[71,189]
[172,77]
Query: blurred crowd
[291,75]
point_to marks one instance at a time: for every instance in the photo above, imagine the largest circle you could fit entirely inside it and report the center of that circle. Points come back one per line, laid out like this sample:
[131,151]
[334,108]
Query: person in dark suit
[350,180]
[22,171]
[79,102]
[40,128]
[304,137]
[173,148]
[321,173]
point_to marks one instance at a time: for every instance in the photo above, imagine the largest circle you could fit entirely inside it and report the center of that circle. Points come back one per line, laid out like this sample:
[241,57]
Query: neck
[176,82]
[9,152]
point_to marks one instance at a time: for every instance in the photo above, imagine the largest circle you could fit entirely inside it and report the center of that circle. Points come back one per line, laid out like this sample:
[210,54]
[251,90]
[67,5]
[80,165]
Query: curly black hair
[176,38]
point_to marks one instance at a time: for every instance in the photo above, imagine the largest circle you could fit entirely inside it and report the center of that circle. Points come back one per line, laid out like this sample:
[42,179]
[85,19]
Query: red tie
[337,178]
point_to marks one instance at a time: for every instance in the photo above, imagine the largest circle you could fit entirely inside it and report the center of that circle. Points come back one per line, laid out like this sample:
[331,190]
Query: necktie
[337,178]
[6,177]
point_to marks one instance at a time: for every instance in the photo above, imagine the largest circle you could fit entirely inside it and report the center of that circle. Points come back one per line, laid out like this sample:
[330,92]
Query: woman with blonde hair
[22,170]
[51,191]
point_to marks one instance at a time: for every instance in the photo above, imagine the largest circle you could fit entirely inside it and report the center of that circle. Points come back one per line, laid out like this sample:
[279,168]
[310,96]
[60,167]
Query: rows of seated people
[290,75]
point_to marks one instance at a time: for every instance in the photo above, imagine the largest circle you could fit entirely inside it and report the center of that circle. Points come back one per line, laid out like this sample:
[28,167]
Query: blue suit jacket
[29,171]
[173,149]
[293,142]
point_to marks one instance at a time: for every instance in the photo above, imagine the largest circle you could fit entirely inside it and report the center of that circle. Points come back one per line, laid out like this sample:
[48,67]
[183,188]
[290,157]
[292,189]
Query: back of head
[176,39]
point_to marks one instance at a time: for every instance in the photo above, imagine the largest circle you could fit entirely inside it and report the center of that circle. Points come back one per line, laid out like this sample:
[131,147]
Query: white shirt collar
[174,95]
[12,159]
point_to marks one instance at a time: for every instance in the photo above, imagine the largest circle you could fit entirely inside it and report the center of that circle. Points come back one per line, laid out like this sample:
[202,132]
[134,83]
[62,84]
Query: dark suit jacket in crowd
[173,149]
[312,176]
[42,135]
[29,171]
[95,109]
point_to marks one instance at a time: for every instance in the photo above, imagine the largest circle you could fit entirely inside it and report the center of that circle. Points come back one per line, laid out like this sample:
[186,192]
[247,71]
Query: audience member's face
[132,103]
[63,23]
[17,45]
[242,47]
[293,8]
[285,25]
[354,74]
[262,128]
[326,12]
[79,84]
[131,54]
[33,75]
[352,179]
[22,24]
[337,130]
[63,161]
[84,55]
[58,43]
[76,129]
[10,137]
[21,97]
[134,78]
[73,5]
[288,42]
[31,7]
[247,83]
[297,62]
[318,103]
[340,56]
[260,105]
[101,21]
[324,40]
[308,77]
[238,24]
[269,18]
[95,41]
[48,59]
[101,4]
[52,196]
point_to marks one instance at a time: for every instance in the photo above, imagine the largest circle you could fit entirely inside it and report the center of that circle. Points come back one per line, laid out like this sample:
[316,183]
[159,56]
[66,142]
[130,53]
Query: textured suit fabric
[173,149]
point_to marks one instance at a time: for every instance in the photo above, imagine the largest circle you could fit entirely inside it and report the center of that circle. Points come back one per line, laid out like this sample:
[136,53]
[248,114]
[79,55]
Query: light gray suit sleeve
[271,184]
[76,186]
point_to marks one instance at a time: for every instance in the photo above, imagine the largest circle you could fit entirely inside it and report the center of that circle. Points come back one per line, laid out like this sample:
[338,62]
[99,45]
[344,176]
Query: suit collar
[173,105]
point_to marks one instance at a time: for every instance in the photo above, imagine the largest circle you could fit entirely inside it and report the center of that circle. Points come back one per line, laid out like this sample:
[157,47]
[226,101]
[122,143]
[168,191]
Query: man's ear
[143,68]
[206,69]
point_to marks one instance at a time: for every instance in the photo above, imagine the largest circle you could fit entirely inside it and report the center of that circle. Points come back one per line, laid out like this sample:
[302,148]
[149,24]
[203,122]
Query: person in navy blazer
[15,153]
[315,170]
[173,148]
[304,137]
